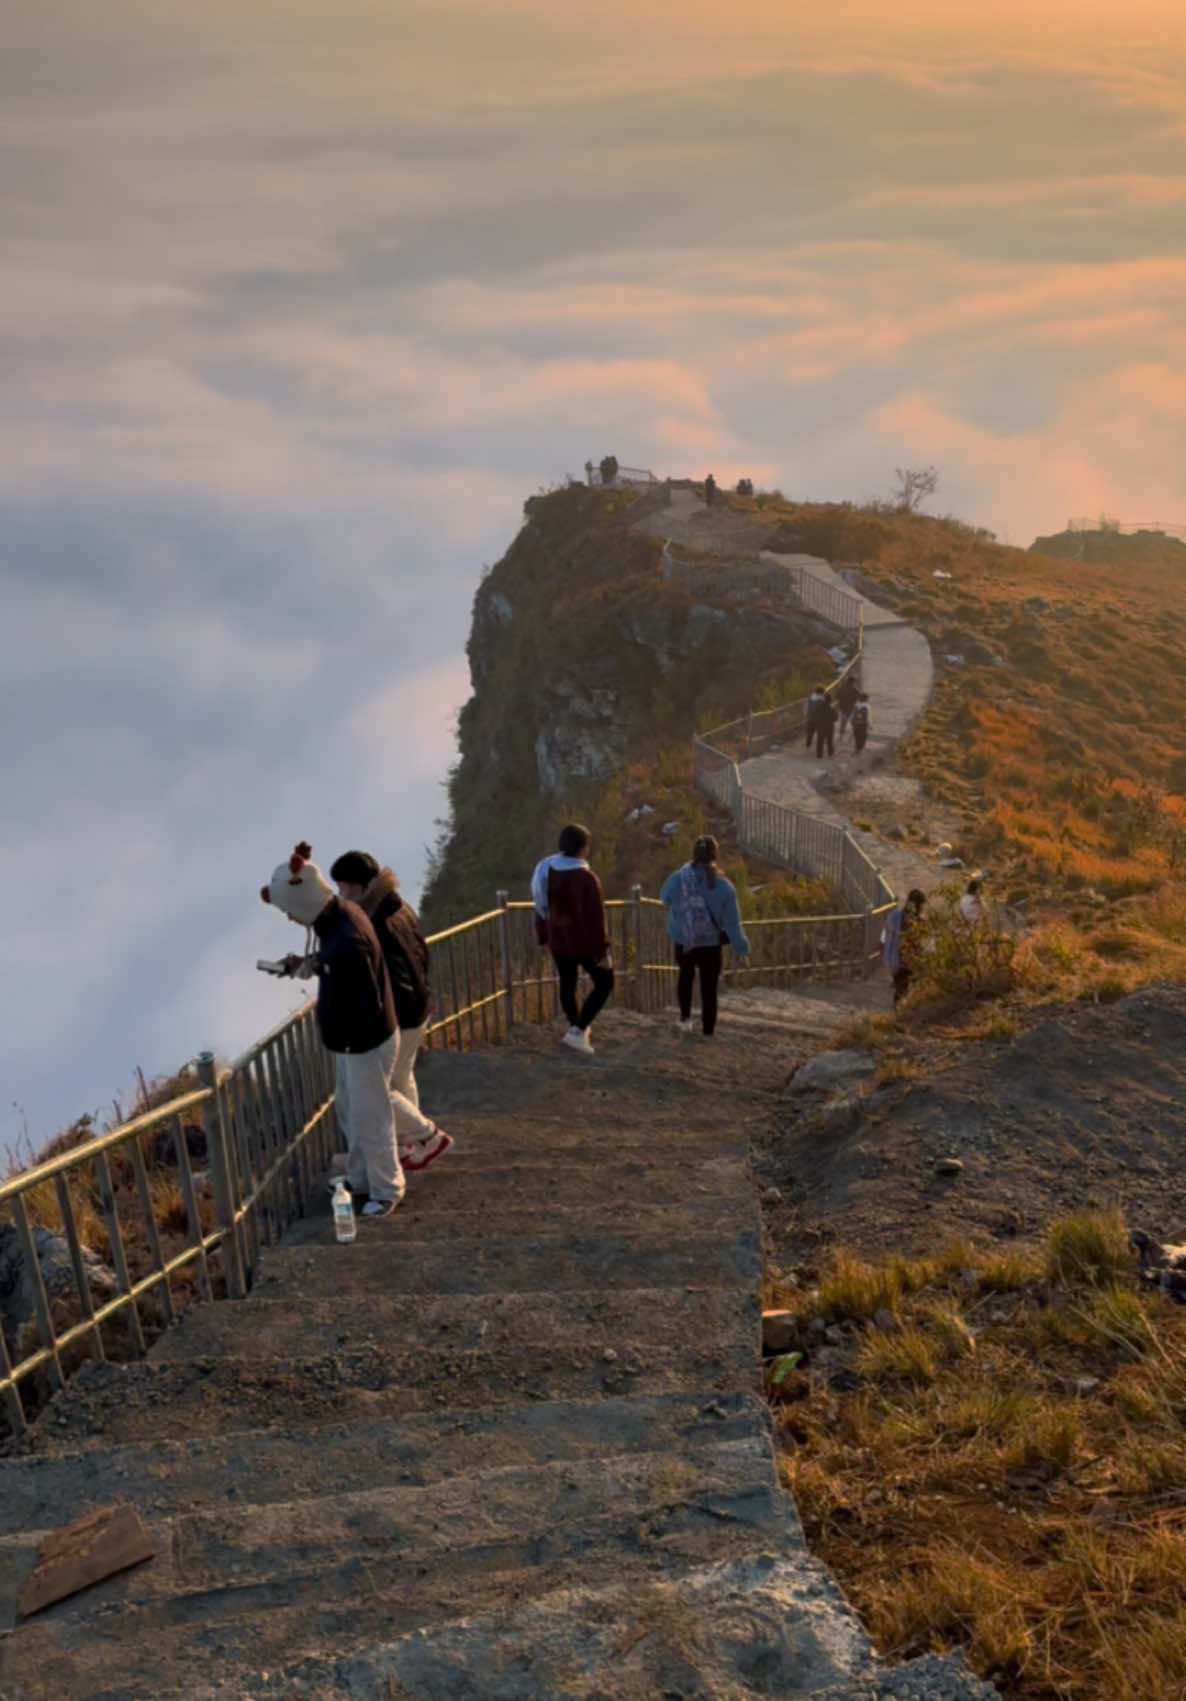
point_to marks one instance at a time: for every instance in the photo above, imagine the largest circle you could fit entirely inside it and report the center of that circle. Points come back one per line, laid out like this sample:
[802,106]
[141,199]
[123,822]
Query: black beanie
[357,867]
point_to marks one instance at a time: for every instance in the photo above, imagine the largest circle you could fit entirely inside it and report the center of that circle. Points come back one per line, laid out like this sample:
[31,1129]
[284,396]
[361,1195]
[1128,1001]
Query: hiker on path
[846,702]
[356,1019]
[971,905]
[702,913]
[825,727]
[860,722]
[375,890]
[899,941]
[810,711]
[570,919]
[710,491]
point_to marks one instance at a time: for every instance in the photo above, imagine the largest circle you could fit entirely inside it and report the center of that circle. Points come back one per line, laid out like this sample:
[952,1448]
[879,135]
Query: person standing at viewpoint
[846,701]
[376,891]
[570,920]
[702,912]
[860,722]
[825,727]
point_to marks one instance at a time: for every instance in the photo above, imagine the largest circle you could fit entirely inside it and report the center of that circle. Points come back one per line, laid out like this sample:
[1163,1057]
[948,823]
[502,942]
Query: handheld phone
[271,968]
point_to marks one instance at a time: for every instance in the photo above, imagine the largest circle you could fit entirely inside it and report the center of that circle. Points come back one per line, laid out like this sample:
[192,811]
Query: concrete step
[242,1587]
[384,1258]
[427,1213]
[736,1628]
[630,1176]
[486,1142]
[122,1404]
[170,1477]
[630,1323]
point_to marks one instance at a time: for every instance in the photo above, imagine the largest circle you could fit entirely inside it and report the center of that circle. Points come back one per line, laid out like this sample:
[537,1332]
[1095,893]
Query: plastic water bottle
[345,1227]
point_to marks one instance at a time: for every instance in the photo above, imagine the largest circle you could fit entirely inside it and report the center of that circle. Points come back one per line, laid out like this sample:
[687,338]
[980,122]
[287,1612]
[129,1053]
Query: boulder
[57,1273]
[832,1069]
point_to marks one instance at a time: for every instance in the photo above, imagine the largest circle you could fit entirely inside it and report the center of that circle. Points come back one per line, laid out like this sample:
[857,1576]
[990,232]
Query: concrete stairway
[509,1444]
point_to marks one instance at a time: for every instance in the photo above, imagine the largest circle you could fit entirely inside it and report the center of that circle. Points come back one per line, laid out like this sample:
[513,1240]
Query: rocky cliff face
[585,664]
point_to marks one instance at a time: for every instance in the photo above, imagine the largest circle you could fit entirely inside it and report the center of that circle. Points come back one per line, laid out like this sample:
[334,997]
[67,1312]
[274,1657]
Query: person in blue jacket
[702,914]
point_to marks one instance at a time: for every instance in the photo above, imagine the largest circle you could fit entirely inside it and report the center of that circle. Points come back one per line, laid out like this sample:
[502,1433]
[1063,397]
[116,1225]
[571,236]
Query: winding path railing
[789,837]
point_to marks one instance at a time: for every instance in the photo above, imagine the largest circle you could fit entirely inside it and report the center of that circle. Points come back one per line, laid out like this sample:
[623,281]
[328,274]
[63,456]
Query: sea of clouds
[302,300]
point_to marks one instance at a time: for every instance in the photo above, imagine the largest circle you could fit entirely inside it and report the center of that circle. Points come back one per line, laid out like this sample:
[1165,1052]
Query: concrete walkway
[511,1445]
[898,674]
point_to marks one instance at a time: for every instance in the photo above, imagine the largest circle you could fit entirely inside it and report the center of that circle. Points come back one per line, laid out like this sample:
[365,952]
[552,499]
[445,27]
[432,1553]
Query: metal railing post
[221,1177]
[636,929]
[504,944]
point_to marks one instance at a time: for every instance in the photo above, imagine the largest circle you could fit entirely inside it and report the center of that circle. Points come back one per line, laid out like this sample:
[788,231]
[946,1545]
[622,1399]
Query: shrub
[1087,1248]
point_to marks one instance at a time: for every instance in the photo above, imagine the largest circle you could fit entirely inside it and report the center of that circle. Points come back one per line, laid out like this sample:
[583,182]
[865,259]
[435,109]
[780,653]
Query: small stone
[817,1328]
[949,1166]
[772,1196]
[610,1356]
[951,862]
[834,1335]
[1086,1385]
[780,1332]
[884,1320]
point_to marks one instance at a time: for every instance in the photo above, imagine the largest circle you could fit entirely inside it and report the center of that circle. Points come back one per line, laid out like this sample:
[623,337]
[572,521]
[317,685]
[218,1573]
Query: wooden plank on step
[85,1552]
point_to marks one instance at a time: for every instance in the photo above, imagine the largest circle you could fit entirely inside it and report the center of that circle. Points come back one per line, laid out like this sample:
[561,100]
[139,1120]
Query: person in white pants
[376,891]
[356,1019]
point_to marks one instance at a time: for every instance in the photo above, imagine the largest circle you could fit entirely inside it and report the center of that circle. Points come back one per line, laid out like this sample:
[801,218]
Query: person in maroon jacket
[570,920]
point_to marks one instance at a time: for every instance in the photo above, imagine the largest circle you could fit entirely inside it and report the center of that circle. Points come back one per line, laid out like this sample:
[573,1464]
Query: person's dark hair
[359,868]
[973,887]
[574,839]
[915,899]
[704,854]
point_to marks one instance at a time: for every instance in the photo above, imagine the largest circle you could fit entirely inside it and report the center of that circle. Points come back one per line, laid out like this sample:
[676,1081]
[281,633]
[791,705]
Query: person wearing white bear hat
[356,1018]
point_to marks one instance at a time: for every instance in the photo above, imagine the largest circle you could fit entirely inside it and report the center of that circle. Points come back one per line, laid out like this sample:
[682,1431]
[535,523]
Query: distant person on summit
[356,1019]
[702,915]
[570,919]
[376,892]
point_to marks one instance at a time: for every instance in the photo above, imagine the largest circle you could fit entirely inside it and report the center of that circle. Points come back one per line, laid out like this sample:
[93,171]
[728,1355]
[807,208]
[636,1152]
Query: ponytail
[704,855]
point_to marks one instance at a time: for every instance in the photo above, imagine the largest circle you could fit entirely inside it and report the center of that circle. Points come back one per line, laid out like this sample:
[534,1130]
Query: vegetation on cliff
[590,675]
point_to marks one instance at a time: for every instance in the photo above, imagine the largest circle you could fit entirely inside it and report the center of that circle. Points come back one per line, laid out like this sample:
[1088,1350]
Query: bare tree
[913,485]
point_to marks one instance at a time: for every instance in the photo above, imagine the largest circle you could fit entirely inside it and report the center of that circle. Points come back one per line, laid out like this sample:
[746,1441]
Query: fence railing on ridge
[173,1225]
[790,837]
[265,1124]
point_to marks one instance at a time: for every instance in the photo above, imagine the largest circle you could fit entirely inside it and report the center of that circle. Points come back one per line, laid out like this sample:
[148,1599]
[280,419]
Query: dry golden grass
[1009,1476]
[1058,738]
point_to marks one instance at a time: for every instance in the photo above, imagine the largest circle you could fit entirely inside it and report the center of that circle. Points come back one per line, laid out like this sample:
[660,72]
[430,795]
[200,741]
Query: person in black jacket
[356,1019]
[825,727]
[376,892]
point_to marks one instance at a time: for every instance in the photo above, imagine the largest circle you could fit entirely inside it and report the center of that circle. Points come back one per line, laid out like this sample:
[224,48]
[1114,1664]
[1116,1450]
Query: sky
[302,298]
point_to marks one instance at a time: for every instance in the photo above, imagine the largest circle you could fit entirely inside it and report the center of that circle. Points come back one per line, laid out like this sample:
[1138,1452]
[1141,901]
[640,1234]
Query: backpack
[696,919]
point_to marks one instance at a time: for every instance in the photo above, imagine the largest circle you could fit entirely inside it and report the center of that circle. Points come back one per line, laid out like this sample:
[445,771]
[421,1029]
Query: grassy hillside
[1059,730]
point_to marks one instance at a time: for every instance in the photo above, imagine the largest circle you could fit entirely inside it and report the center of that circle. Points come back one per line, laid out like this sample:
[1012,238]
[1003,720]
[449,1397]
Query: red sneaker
[421,1153]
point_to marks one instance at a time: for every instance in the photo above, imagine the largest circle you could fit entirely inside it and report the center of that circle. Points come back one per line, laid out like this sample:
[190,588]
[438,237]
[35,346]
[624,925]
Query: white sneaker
[376,1208]
[684,1024]
[579,1041]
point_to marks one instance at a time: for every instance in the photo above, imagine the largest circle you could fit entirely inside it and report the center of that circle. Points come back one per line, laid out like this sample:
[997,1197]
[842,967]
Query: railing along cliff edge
[172,1227]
